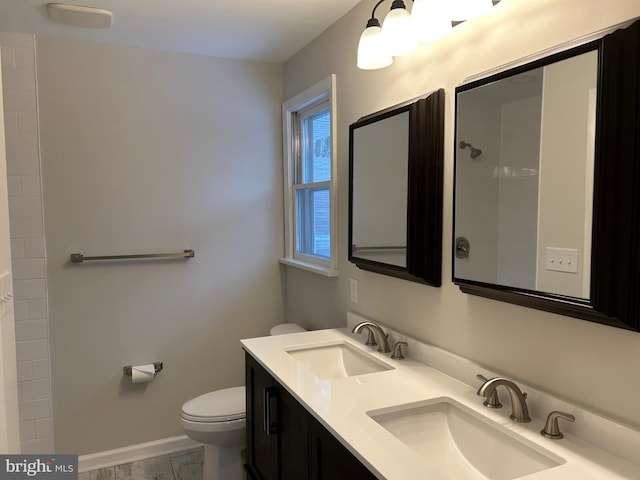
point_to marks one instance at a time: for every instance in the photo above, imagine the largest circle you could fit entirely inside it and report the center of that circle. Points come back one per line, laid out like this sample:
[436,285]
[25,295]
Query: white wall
[9,430]
[147,151]
[27,244]
[565,107]
[518,210]
[587,363]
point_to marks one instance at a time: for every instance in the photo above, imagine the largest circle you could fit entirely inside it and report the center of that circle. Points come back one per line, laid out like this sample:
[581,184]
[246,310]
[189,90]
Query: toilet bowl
[218,420]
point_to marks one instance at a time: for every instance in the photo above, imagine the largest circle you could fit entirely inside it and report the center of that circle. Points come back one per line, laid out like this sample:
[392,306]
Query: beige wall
[147,151]
[587,363]
[9,432]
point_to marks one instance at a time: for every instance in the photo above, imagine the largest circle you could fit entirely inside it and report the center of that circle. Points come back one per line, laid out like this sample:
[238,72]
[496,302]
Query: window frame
[321,92]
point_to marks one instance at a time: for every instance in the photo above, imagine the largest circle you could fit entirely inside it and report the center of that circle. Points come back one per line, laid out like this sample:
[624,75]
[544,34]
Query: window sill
[309,267]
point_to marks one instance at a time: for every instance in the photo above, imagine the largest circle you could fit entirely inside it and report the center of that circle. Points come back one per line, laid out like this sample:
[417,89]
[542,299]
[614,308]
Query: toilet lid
[285,328]
[219,406]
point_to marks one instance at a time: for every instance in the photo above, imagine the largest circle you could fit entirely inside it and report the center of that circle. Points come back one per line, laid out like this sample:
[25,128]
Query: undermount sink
[462,444]
[337,360]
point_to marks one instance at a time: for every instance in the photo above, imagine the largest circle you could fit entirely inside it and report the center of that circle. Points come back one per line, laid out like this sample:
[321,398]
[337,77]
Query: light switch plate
[562,260]
[353,290]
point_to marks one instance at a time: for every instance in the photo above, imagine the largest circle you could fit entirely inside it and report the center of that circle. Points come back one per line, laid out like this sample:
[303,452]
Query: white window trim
[321,90]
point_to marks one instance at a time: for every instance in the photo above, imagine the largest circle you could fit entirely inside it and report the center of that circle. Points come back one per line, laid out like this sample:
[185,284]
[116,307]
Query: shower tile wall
[27,242]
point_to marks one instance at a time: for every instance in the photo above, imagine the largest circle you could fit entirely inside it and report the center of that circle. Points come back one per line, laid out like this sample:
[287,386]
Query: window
[309,166]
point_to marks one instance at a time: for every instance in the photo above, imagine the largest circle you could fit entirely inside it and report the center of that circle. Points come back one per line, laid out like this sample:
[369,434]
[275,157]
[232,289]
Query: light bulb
[467,9]
[431,19]
[372,50]
[398,32]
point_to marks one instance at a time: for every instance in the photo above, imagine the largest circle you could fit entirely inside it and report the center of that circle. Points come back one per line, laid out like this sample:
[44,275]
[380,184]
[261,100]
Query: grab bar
[79,258]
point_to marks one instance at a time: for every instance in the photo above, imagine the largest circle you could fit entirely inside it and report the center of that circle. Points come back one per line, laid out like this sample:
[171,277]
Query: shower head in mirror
[475,152]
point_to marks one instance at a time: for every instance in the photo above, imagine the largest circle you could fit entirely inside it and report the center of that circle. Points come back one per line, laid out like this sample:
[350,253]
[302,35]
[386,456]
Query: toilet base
[222,463]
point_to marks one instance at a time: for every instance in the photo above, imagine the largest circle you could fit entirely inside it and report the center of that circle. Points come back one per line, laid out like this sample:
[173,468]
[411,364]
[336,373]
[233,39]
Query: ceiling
[262,30]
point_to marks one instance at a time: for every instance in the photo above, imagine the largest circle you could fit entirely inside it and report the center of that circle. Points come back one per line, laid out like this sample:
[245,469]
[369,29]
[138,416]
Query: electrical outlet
[562,260]
[353,288]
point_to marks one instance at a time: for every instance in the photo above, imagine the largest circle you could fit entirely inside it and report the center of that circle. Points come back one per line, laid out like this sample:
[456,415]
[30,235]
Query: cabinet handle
[270,411]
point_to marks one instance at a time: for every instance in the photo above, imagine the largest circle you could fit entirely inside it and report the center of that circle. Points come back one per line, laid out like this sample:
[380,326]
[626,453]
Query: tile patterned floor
[186,465]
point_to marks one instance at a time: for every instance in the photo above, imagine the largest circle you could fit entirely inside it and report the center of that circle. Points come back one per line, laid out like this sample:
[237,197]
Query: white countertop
[341,406]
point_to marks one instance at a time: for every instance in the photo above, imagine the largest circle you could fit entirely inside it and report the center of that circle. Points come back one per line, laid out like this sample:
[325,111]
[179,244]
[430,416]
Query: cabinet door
[293,435]
[330,460]
[262,439]
[284,442]
[277,429]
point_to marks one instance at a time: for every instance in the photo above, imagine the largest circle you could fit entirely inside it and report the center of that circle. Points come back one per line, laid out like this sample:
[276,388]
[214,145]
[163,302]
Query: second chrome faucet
[381,337]
[519,410]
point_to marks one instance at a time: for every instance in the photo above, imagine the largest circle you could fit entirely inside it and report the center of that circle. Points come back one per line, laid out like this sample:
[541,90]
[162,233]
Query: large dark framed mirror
[395,190]
[547,183]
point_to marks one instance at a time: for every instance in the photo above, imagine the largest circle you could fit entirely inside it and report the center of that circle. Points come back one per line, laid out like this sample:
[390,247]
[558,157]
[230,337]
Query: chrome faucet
[519,410]
[381,337]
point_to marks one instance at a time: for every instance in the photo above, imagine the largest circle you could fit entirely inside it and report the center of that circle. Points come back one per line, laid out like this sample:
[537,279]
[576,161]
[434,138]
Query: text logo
[25,467]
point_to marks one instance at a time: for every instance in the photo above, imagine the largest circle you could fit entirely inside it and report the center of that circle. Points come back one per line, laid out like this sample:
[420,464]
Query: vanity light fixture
[401,31]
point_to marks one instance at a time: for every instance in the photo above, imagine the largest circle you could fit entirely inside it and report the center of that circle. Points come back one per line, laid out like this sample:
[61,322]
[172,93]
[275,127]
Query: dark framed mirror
[547,183]
[395,190]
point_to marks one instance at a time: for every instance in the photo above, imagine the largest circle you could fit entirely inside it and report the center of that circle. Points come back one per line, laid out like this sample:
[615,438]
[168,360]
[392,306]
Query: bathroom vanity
[322,405]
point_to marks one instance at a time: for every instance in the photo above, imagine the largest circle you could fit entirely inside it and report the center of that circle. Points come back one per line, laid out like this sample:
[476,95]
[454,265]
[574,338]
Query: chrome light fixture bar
[401,31]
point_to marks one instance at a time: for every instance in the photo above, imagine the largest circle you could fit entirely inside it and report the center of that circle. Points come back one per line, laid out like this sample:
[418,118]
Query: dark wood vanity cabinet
[330,460]
[285,442]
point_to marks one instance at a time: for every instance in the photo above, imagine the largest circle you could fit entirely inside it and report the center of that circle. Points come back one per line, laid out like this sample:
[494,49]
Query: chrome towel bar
[79,258]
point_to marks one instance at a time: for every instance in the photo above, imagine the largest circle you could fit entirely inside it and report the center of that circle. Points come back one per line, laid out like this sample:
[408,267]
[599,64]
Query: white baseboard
[134,453]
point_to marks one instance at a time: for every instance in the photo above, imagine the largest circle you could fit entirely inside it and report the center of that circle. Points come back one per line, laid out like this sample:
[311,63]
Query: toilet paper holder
[127,369]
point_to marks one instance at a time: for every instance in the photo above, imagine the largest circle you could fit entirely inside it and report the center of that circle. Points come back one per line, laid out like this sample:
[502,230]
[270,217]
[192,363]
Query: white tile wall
[32,350]
[19,100]
[20,307]
[8,56]
[27,242]
[34,409]
[25,370]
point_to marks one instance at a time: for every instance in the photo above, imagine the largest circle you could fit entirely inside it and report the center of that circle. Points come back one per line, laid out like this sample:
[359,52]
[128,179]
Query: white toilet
[218,419]
[284,328]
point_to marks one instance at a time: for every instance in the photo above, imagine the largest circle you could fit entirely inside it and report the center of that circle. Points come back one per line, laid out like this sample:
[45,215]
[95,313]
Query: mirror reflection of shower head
[475,152]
